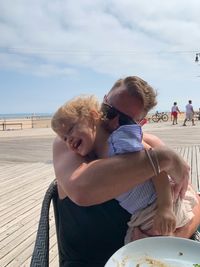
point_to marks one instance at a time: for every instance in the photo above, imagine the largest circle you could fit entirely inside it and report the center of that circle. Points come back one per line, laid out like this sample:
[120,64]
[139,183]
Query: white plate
[164,251]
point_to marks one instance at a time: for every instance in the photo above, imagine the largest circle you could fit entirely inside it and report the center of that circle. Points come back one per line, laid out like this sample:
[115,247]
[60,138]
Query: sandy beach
[25,123]
[35,144]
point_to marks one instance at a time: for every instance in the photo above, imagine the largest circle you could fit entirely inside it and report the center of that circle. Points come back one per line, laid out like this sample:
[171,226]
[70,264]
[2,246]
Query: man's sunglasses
[111,112]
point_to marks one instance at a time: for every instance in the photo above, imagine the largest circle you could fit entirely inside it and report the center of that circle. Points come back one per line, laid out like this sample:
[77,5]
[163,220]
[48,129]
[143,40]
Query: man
[189,115]
[174,113]
[92,225]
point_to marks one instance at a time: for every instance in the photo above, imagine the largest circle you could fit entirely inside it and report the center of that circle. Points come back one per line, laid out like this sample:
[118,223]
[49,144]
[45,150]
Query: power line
[25,50]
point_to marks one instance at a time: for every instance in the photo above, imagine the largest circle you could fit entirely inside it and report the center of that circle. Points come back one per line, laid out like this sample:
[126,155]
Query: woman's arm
[101,180]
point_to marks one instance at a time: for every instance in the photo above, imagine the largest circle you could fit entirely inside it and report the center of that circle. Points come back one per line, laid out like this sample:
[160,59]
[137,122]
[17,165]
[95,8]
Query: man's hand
[176,167]
[180,189]
[164,222]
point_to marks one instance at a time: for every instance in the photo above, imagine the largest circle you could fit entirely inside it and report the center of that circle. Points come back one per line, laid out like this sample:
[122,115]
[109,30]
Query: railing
[5,124]
[25,123]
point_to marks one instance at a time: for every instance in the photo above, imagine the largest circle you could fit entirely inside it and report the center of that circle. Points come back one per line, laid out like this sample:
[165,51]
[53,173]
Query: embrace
[115,183]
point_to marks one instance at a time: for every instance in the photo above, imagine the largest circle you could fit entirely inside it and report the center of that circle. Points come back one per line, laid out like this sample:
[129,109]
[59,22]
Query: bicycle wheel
[155,118]
[165,117]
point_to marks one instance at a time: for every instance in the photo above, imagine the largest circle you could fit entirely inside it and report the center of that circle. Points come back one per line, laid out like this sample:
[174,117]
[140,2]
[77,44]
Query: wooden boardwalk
[26,171]
[22,189]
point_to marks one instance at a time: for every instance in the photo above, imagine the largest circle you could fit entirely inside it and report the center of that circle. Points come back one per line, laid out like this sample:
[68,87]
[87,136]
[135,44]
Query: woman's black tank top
[88,236]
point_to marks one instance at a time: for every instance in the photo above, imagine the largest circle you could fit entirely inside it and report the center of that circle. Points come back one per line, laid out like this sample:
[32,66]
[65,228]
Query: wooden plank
[194,176]
[15,201]
[192,155]
[198,167]
[12,186]
[20,206]
[22,248]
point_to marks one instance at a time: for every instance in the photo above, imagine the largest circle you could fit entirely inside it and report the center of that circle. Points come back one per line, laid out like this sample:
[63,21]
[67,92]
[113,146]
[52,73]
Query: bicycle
[160,116]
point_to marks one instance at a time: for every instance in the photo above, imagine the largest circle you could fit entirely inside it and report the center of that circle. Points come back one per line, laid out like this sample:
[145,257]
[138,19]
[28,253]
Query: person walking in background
[199,115]
[174,113]
[189,113]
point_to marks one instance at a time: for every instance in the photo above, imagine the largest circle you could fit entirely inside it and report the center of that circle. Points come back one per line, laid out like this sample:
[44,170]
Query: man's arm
[101,180]
[152,140]
[187,230]
[164,220]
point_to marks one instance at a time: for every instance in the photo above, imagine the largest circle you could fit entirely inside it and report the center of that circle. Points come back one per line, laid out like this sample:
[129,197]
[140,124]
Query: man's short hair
[139,89]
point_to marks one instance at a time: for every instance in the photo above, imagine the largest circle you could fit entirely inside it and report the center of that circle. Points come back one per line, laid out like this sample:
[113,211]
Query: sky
[53,50]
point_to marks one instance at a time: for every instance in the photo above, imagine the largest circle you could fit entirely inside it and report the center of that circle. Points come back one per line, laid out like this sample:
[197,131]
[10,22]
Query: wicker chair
[40,257]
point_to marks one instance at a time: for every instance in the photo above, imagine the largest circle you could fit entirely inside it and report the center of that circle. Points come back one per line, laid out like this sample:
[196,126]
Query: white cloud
[110,36]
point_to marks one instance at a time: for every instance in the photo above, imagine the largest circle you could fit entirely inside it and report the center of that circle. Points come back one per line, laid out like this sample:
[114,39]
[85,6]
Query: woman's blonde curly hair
[78,108]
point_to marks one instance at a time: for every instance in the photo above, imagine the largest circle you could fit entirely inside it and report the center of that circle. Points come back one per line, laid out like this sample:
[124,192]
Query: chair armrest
[40,257]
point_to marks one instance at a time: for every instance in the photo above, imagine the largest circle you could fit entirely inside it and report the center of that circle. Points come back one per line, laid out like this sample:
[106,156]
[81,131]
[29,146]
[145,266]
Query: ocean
[25,115]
